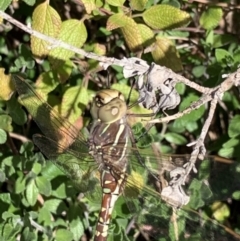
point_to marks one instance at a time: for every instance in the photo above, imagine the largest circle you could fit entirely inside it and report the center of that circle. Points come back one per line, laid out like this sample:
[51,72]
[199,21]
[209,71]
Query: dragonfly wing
[214,181]
[81,168]
[48,120]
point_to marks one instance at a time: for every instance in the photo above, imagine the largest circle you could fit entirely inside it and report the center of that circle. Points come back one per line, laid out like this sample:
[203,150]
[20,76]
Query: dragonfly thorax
[108,106]
[109,142]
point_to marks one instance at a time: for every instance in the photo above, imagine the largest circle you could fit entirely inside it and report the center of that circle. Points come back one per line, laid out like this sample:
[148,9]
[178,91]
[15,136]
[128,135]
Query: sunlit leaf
[30,2]
[75,99]
[72,32]
[211,17]
[165,17]
[43,185]
[129,29]
[77,228]
[7,87]
[222,55]
[47,21]
[116,3]
[89,5]
[63,235]
[116,21]
[165,53]
[53,205]
[220,211]
[146,34]
[138,5]
[4,4]
[31,193]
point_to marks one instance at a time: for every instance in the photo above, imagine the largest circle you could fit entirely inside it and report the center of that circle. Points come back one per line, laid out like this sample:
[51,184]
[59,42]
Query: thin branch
[19,137]
[135,64]
[211,93]
[58,43]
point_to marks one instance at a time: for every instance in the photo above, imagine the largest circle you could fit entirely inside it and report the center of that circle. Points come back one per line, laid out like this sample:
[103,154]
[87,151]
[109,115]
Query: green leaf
[147,34]
[89,5]
[54,205]
[65,71]
[192,126]
[129,29]
[174,3]
[44,186]
[116,3]
[37,167]
[165,53]
[220,40]
[231,143]
[2,176]
[222,55]
[7,86]
[226,152]
[117,20]
[30,2]
[211,17]
[180,87]
[132,35]
[47,21]
[28,235]
[25,59]
[20,184]
[236,195]
[4,4]
[10,231]
[196,199]
[16,112]
[6,198]
[77,228]
[3,136]
[74,98]
[31,193]
[198,71]
[138,5]
[165,17]
[50,171]
[193,115]
[72,32]
[175,138]
[47,82]
[63,235]
[8,166]
[234,127]
[209,37]
[44,216]
[220,211]
[61,191]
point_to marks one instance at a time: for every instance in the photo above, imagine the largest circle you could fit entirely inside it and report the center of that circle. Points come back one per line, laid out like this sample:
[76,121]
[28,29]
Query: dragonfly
[106,161]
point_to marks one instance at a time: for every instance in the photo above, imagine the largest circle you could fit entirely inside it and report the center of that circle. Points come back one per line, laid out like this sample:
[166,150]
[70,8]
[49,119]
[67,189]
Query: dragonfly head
[108,106]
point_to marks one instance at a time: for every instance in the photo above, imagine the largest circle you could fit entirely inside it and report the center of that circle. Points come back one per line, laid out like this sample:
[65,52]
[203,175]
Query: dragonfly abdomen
[112,188]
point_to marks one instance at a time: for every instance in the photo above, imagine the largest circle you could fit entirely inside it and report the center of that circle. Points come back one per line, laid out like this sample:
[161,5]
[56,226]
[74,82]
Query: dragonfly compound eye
[108,106]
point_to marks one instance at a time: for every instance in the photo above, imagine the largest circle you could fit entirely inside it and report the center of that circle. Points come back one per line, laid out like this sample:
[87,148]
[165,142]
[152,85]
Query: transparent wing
[80,167]
[156,213]
[63,144]
[49,121]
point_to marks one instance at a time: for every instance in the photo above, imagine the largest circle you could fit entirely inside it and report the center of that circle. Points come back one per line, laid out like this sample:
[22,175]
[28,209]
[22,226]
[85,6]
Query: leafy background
[199,39]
